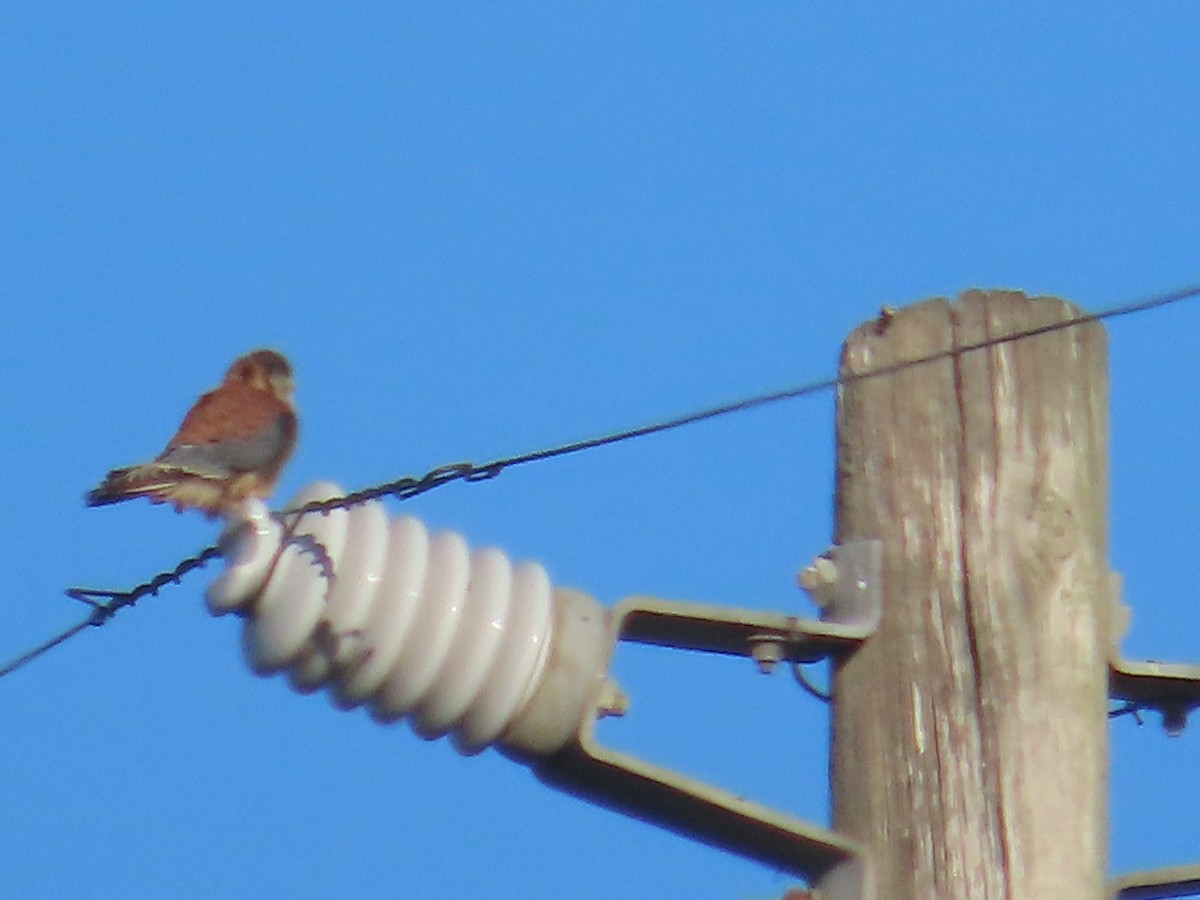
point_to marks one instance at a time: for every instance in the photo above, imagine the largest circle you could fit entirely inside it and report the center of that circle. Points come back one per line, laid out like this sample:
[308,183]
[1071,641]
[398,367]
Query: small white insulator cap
[459,641]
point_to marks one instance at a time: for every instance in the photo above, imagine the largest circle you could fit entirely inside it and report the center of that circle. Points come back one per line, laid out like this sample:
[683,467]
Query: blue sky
[484,229]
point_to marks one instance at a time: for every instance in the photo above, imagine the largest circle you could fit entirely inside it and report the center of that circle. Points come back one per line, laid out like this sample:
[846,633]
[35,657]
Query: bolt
[766,651]
[884,319]
[817,578]
[1174,719]
[612,700]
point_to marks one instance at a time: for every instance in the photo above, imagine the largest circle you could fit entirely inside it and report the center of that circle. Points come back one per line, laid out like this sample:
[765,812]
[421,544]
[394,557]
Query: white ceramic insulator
[409,624]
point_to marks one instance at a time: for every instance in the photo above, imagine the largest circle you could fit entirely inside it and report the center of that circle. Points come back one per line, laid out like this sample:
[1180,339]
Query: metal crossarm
[832,863]
[1157,884]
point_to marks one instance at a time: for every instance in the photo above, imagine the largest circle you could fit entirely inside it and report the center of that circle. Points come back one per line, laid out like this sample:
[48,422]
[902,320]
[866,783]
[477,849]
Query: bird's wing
[235,428]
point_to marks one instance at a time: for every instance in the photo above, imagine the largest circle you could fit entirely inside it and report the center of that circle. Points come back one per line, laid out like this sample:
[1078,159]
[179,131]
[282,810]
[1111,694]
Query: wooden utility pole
[970,734]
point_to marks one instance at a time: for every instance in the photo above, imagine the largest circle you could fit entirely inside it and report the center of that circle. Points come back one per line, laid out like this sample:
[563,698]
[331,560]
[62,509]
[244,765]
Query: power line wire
[406,487]
[107,603]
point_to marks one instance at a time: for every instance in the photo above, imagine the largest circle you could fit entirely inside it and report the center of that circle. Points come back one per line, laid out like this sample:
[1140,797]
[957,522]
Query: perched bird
[232,444]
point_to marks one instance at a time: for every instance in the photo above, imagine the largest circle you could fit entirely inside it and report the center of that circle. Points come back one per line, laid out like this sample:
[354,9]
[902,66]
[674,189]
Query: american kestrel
[232,444]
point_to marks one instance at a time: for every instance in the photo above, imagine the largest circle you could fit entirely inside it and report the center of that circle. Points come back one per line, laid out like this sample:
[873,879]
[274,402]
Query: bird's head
[265,370]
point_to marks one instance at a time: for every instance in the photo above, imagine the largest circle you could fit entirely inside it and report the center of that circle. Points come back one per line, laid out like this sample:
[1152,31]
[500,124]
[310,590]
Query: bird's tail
[129,483]
[158,483]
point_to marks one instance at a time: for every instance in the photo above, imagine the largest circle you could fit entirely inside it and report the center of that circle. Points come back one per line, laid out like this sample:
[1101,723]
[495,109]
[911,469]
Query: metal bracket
[846,581]
[1174,690]
[1171,688]
[851,595]
[1157,884]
